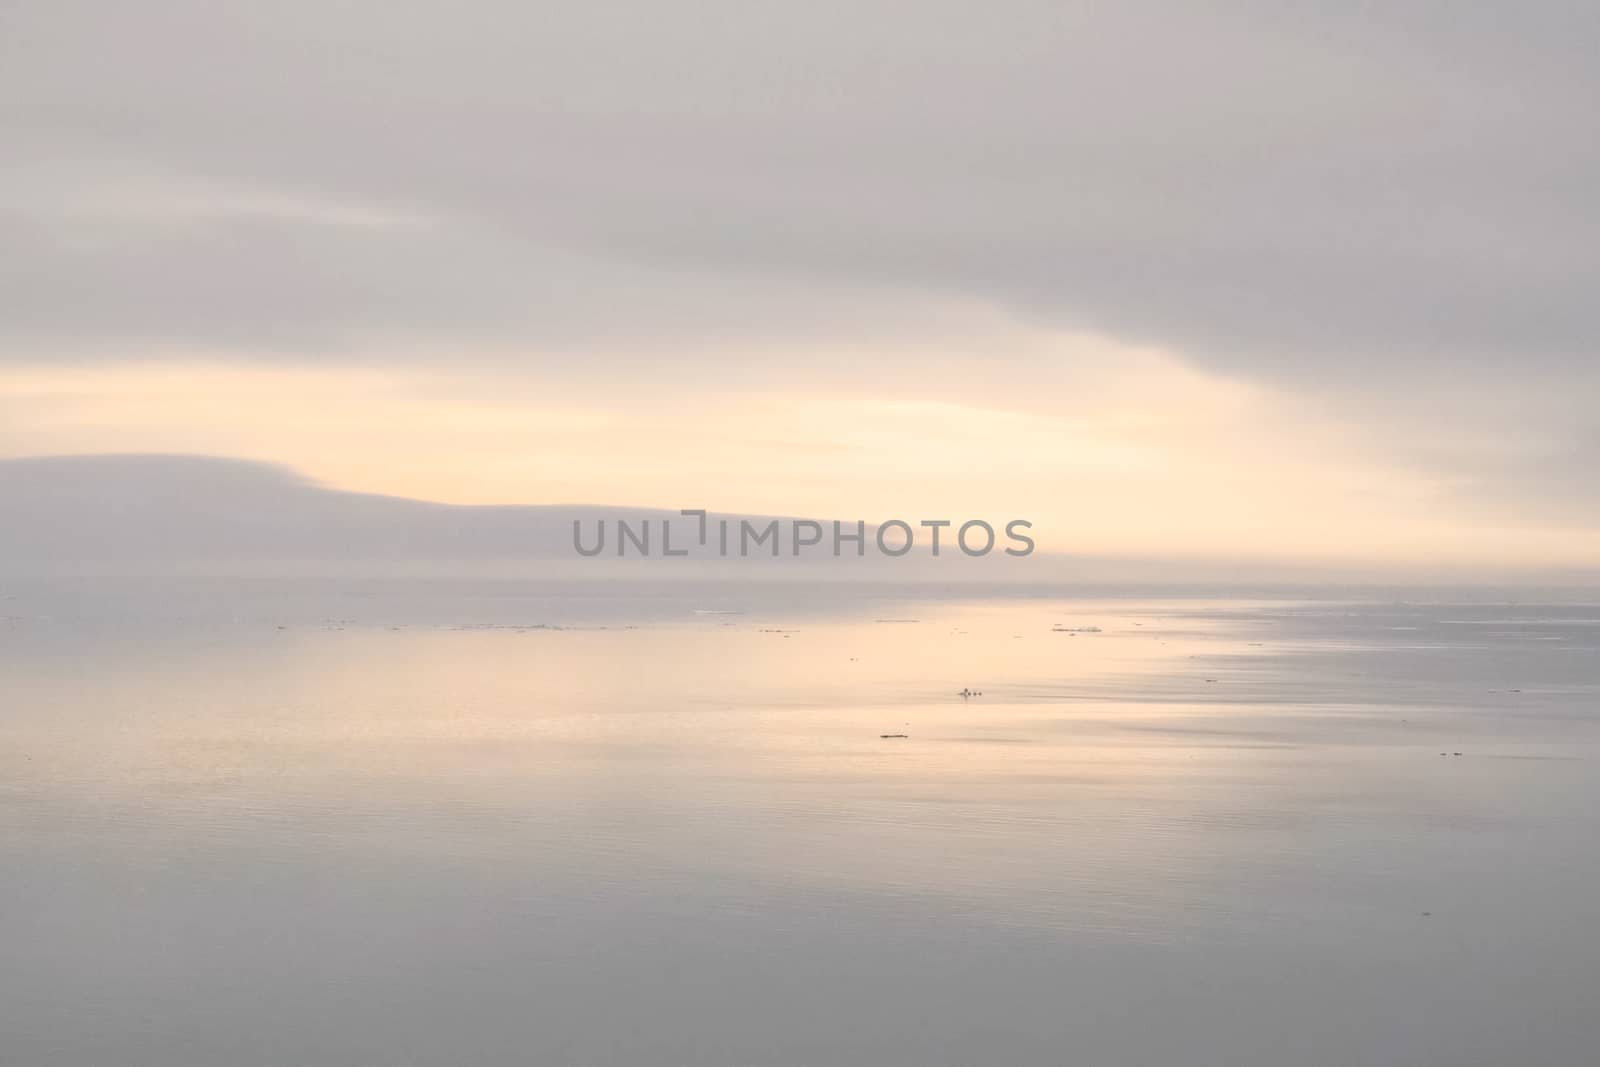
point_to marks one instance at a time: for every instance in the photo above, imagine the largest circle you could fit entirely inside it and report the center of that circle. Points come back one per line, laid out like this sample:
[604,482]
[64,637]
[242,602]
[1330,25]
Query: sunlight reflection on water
[539,829]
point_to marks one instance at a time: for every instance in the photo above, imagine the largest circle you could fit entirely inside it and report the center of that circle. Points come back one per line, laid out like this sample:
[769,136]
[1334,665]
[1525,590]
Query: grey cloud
[159,516]
[135,514]
[140,511]
[1285,190]
[250,284]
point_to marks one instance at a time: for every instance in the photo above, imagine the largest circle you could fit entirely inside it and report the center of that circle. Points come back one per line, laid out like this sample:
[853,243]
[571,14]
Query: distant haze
[153,515]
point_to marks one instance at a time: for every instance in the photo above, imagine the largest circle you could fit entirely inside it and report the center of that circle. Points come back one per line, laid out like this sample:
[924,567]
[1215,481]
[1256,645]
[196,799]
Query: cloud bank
[1384,213]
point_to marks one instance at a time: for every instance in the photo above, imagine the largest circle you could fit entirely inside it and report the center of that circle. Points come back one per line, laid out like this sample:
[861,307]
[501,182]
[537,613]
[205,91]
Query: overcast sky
[1302,280]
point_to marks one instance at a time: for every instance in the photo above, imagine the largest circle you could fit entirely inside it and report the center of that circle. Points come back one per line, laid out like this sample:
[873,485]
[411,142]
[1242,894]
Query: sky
[1287,281]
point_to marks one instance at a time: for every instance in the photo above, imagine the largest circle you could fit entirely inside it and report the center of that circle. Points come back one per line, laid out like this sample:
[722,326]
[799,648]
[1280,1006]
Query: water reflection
[562,832]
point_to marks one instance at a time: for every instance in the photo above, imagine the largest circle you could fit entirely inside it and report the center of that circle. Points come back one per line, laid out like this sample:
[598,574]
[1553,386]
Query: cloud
[1382,215]
[151,513]
[131,514]
[1305,191]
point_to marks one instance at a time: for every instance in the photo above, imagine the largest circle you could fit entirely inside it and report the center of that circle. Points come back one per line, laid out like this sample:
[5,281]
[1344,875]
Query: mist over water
[569,823]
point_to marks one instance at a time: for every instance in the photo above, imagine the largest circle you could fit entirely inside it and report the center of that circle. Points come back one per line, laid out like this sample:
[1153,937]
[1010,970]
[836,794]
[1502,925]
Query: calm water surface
[507,824]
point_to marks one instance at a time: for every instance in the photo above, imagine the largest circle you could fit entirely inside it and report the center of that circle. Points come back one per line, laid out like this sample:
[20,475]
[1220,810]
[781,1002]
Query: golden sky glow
[1171,282]
[1126,452]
